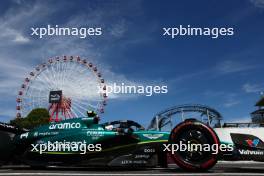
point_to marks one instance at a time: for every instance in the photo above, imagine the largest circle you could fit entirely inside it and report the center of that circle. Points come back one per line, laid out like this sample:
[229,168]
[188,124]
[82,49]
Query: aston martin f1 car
[84,142]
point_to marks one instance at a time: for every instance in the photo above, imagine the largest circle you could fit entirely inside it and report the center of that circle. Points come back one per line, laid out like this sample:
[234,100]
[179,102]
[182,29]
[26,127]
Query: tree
[36,117]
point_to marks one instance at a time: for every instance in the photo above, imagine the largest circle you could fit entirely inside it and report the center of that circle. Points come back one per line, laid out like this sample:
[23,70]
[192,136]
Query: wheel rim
[199,161]
[194,137]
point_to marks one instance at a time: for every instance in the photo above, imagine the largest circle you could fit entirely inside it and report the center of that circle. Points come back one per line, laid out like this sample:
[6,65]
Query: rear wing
[11,129]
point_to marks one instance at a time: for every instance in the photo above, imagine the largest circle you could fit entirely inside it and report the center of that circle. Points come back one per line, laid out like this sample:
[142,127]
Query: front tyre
[201,143]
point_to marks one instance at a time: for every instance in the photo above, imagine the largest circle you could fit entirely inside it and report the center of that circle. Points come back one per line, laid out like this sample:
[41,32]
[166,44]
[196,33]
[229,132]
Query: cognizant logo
[65,126]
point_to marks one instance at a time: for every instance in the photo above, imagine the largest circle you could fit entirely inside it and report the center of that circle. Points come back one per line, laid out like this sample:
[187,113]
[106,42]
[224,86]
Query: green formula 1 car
[84,142]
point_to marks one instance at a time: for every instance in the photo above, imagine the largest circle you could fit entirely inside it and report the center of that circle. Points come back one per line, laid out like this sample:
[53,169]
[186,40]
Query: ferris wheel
[66,86]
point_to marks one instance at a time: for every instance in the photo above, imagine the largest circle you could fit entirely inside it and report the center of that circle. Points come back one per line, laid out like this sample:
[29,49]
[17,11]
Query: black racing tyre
[6,147]
[192,132]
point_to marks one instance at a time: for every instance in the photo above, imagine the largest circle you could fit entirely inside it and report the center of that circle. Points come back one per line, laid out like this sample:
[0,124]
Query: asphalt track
[222,168]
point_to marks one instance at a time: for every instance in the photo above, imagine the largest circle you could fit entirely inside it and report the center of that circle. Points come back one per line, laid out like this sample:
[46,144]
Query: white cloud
[245,119]
[17,61]
[231,100]
[13,21]
[252,88]
[6,112]
[228,99]
[12,72]
[230,66]
[258,3]
[230,103]
[118,29]
[18,1]
[220,69]
[12,35]
[20,38]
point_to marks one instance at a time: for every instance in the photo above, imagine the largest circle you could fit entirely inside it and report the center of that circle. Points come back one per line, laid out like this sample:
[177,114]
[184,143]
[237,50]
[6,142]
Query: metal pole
[157,123]
[209,122]
[170,122]
[182,114]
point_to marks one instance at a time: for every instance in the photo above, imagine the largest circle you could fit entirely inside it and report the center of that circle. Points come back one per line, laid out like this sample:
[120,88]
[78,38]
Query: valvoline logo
[253,143]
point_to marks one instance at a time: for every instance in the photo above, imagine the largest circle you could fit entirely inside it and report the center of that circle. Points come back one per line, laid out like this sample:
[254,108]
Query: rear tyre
[6,147]
[192,132]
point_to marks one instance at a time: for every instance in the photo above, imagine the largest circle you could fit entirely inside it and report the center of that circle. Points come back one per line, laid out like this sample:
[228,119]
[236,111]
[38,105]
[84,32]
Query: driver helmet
[91,114]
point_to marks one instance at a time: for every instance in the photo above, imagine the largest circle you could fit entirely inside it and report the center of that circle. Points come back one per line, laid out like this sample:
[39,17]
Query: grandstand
[258,115]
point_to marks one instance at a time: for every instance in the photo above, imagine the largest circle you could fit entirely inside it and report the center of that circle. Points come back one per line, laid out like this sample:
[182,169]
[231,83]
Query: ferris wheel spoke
[88,77]
[54,76]
[53,70]
[60,72]
[65,81]
[40,99]
[31,103]
[45,85]
[75,68]
[80,106]
[37,88]
[64,72]
[87,104]
[48,79]
[79,87]
[74,113]
[50,76]
[69,75]
[72,71]
[40,85]
[77,111]
[33,97]
[57,73]
[82,71]
[86,107]
[87,83]
[68,79]
[73,108]
[44,81]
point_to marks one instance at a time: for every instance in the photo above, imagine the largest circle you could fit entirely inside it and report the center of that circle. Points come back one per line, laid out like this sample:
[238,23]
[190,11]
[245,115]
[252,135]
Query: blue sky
[225,73]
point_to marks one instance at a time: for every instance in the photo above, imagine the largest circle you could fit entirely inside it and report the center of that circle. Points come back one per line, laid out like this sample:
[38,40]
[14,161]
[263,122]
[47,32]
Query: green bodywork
[84,129]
